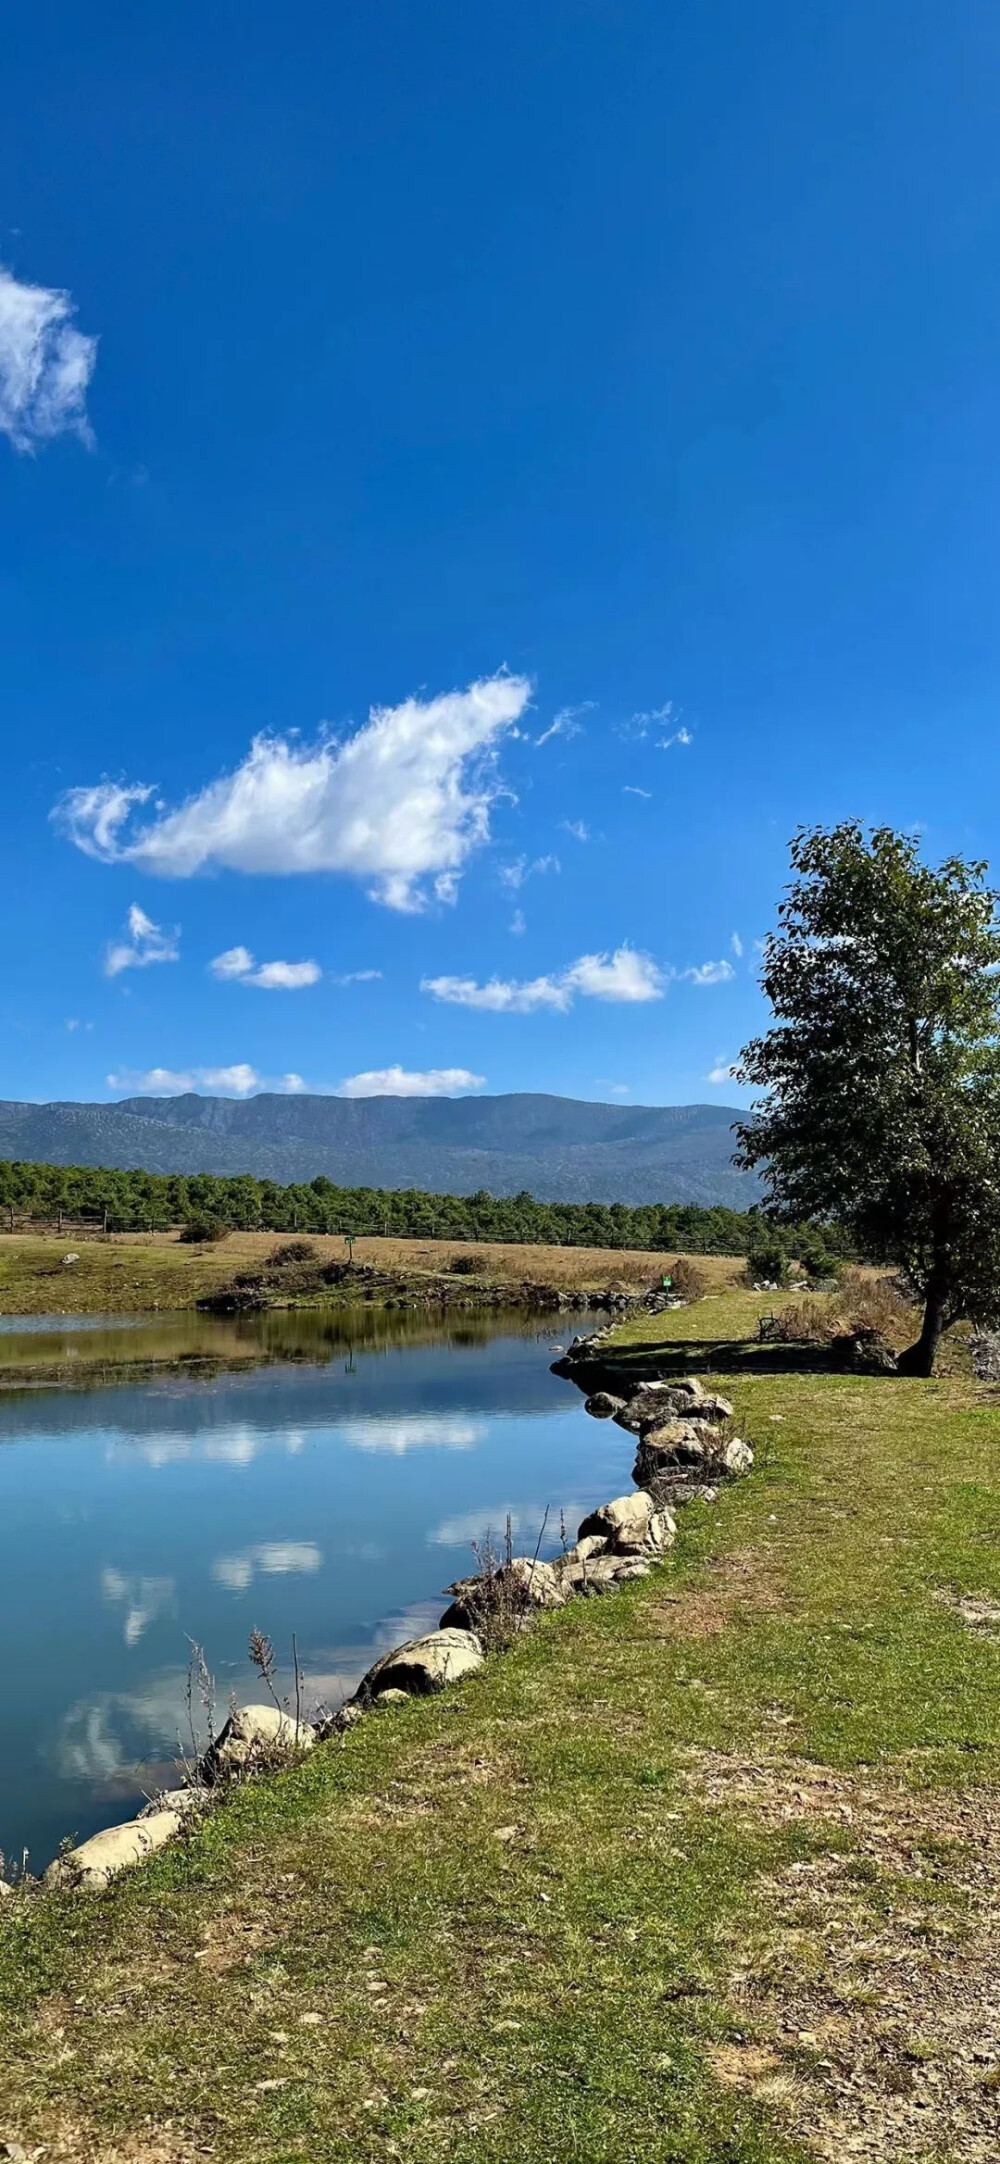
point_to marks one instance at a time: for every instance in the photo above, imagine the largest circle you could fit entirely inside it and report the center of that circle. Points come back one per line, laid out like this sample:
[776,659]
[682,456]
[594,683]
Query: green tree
[881,1071]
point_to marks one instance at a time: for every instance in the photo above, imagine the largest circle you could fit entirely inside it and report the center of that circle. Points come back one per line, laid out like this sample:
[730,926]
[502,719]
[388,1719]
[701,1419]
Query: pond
[329,1487]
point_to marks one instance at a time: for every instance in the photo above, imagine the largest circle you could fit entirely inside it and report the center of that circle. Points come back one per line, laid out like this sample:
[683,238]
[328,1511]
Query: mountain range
[561,1149]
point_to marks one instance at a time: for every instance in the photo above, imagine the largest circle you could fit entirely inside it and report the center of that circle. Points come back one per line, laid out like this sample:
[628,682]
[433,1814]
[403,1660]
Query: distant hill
[558,1148]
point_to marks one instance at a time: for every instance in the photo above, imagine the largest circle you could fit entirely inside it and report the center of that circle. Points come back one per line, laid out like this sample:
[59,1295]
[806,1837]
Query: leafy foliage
[881,1072]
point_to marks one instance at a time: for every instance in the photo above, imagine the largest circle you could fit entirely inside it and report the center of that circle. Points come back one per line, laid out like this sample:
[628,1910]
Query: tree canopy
[881,1072]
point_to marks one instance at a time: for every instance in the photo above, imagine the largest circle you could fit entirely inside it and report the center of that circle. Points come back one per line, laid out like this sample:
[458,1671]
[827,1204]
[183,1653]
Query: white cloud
[566,723]
[500,996]
[624,977]
[629,789]
[238,1081]
[518,923]
[708,973]
[413,1431]
[239,966]
[578,828]
[292,1084]
[515,874]
[736,944]
[359,976]
[721,1072]
[45,365]
[680,736]
[236,962]
[147,942]
[272,1558]
[403,800]
[398,1082]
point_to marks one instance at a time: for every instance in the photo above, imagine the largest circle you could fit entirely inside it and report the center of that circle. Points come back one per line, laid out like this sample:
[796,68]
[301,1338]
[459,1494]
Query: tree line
[136,1201]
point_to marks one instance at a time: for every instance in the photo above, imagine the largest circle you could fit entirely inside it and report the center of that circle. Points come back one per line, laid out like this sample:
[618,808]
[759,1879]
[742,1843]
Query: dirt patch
[977,1615]
[229,1941]
[75,2144]
[868,1998]
[747,1582]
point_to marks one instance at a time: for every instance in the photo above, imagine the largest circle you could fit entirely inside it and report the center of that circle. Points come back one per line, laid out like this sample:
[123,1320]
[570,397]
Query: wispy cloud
[238,966]
[515,874]
[578,828]
[680,736]
[399,1082]
[708,973]
[400,805]
[630,789]
[566,723]
[723,1071]
[624,977]
[147,942]
[518,923]
[358,976]
[45,365]
[736,944]
[646,722]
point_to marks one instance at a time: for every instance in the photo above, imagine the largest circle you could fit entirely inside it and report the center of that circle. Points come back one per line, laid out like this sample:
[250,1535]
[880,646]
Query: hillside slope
[559,1148]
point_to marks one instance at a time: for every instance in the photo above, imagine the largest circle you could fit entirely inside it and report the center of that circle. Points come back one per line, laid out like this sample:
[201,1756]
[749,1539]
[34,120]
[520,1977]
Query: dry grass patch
[868,1984]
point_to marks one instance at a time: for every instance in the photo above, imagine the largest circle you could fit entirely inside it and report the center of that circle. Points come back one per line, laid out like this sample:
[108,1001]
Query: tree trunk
[919,1358]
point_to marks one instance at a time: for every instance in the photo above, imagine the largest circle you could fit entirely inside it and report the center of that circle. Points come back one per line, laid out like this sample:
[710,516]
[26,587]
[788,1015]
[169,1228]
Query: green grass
[555,1993]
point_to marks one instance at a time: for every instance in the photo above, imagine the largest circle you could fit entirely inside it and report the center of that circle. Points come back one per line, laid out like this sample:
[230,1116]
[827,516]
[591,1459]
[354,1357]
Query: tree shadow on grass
[723,1356]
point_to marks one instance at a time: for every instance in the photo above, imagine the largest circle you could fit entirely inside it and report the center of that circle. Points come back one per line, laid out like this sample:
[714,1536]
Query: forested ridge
[147,1201]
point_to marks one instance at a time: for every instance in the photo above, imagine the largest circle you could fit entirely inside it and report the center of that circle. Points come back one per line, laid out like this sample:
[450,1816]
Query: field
[131,1273]
[703,1874]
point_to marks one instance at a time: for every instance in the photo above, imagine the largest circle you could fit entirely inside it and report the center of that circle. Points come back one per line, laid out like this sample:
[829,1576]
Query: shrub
[767,1257]
[866,1302]
[200,1230]
[291,1251]
[463,1265]
[690,1283]
[800,1324]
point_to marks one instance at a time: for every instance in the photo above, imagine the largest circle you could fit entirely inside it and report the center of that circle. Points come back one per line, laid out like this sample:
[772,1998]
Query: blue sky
[532,458]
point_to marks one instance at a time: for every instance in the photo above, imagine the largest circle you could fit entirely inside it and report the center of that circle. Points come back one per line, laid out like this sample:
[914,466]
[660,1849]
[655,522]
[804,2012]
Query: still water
[331,1487]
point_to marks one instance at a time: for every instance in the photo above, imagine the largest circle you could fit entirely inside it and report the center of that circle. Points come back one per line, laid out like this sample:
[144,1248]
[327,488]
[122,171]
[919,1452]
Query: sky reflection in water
[332,1494]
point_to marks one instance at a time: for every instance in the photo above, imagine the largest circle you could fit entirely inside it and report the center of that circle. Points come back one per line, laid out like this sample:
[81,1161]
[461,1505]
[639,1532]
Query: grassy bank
[136,1273]
[704,1873]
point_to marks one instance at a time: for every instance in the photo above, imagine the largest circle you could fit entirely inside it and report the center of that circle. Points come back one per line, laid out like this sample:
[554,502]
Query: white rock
[737,1456]
[623,1523]
[255,1734]
[591,1544]
[423,1665]
[96,1862]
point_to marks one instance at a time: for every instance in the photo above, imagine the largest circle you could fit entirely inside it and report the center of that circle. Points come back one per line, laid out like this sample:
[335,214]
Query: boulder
[423,1665]
[623,1523]
[662,1531]
[691,1446]
[255,1736]
[737,1457]
[96,1862]
[591,1544]
[599,1576]
[604,1574]
[520,1586]
[653,1404]
[602,1406]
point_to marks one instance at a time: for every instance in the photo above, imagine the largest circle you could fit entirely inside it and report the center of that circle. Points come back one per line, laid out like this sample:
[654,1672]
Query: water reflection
[311,1494]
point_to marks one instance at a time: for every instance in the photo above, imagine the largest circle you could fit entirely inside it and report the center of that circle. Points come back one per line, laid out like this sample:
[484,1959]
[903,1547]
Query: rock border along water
[684,1448]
